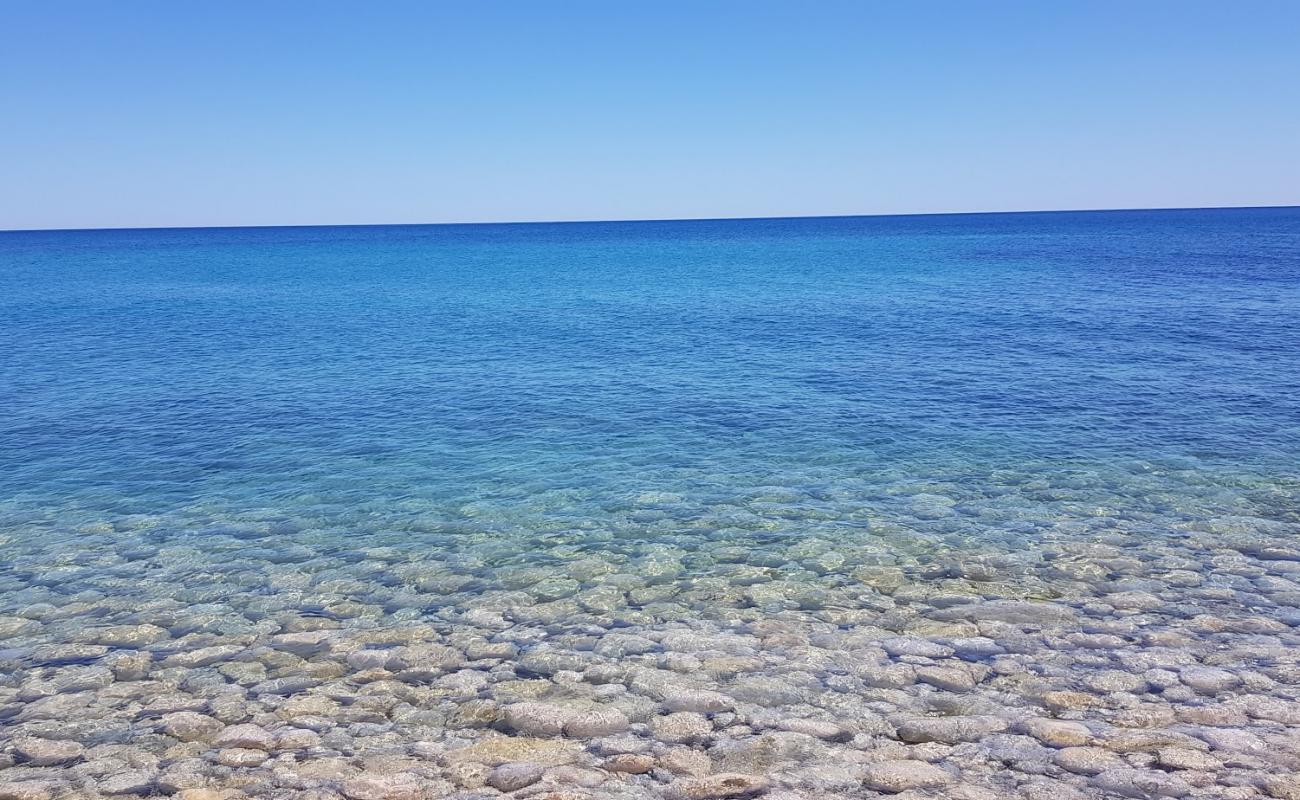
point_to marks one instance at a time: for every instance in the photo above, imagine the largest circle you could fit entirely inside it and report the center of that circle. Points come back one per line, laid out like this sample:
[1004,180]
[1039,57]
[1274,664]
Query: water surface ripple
[965,506]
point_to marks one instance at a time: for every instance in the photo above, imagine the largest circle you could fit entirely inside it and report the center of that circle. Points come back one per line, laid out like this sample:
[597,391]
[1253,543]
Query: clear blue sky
[130,113]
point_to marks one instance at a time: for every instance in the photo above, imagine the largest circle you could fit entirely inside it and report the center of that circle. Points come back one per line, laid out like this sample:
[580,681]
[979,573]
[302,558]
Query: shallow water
[430,472]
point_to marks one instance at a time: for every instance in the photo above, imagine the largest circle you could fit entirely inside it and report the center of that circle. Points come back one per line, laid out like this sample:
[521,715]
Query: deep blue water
[531,373]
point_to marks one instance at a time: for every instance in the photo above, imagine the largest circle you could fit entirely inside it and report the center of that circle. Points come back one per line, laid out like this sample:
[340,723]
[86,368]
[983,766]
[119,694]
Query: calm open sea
[512,379]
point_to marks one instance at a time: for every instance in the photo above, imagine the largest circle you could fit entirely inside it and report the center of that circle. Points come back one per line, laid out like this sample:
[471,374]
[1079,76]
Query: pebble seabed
[1109,654]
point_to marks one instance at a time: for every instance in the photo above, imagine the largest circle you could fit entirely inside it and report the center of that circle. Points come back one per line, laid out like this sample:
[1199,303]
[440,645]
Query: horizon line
[648,219]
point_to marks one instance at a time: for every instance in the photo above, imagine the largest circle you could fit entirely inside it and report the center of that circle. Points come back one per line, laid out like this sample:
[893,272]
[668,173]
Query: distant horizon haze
[760,218]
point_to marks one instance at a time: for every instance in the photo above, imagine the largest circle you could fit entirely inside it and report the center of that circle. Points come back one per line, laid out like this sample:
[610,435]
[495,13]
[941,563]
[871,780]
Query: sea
[755,456]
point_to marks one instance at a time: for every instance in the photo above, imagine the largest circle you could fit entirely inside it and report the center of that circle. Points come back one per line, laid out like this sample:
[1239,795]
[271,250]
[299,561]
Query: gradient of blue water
[540,375]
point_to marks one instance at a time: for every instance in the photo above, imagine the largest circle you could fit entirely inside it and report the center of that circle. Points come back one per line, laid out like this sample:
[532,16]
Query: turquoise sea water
[513,380]
[233,434]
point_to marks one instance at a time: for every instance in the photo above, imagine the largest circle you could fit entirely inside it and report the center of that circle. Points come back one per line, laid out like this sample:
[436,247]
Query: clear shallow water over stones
[962,507]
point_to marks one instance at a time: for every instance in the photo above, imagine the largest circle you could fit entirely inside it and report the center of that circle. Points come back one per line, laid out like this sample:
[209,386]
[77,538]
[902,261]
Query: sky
[136,113]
